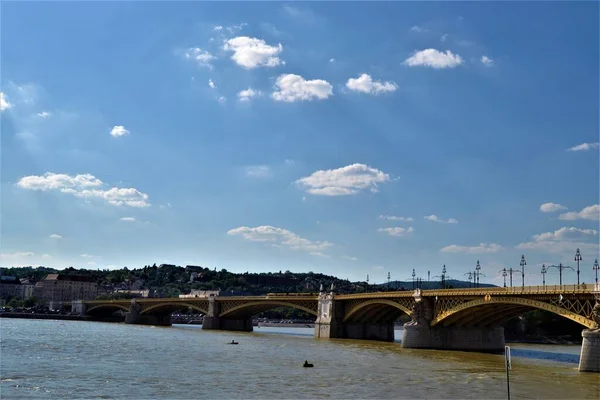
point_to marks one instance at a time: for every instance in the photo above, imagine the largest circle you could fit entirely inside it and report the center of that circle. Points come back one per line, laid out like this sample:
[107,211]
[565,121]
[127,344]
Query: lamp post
[428,276]
[595,268]
[578,258]
[367,288]
[560,268]
[504,273]
[413,278]
[469,277]
[477,268]
[544,272]
[388,285]
[523,263]
[510,272]
[444,277]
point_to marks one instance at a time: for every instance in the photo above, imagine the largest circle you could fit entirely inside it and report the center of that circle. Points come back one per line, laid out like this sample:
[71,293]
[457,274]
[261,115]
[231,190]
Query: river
[46,359]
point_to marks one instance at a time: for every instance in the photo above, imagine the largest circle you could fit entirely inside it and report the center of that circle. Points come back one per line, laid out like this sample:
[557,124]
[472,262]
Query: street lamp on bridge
[444,277]
[523,263]
[577,259]
[477,268]
[544,272]
[504,273]
[413,278]
[469,277]
[595,268]
[560,268]
[388,285]
[367,287]
[510,273]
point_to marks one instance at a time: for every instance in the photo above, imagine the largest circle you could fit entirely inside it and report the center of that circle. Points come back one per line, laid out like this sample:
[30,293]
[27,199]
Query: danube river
[45,359]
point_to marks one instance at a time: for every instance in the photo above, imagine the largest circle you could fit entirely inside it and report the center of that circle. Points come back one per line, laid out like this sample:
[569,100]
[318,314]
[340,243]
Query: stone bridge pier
[420,334]
[212,320]
[330,323]
[135,316]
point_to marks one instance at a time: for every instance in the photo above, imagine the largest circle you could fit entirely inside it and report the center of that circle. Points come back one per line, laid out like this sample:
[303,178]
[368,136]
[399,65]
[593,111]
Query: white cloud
[377,267]
[343,181]
[55,236]
[128,219]
[394,218]
[218,28]
[4,103]
[488,62]
[350,258]
[291,87]
[46,256]
[365,84]
[332,60]
[258,171]
[482,248]
[590,213]
[585,147]
[17,254]
[562,240]
[202,57]
[566,234]
[44,114]
[252,52]
[88,256]
[84,186]
[551,207]
[279,237]
[417,29]
[246,95]
[319,254]
[211,84]
[435,218]
[222,99]
[397,231]
[434,58]
[118,131]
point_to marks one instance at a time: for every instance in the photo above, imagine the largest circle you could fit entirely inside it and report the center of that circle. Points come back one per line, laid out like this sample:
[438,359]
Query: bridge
[448,319]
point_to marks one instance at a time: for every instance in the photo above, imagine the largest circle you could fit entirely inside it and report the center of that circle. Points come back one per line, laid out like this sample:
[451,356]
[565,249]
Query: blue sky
[343,138]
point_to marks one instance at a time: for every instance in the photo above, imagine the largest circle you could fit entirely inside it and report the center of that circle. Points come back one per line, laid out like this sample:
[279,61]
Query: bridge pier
[212,321]
[589,361]
[135,317]
[330,323]
[485,340]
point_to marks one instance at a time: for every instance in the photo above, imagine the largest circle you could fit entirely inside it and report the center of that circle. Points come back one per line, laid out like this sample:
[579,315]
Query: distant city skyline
[341,138]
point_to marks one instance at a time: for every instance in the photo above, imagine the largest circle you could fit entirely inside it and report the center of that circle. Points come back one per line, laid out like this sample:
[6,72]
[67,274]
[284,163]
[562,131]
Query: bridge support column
[330,323]
[419,334]
[134,316]
[589,361]
[212,321]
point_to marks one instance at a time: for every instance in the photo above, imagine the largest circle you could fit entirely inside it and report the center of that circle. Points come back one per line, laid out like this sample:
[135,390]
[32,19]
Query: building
[200,293]
[66,288]
[134,293]
[9,287]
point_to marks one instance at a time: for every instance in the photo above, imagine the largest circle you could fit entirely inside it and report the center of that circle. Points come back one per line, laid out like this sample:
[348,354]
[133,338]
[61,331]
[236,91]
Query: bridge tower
[419,334]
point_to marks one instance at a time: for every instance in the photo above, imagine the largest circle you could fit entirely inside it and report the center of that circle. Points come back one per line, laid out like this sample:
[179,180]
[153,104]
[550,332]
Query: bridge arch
[376,310]
[115,307]
[256,307]
[173,306]
[498,309]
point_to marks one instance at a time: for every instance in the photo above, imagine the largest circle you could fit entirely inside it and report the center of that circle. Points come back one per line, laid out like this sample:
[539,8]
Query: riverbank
[58,317]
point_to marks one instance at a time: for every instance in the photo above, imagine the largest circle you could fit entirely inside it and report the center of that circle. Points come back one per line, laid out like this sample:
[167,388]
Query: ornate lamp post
[469,277]
[560,268]
[577,259]
[444,277]
[477,268]
[544,272]
[523,263]
[367,288]
[413,278]
[595,268]
[388,285]
[504,273]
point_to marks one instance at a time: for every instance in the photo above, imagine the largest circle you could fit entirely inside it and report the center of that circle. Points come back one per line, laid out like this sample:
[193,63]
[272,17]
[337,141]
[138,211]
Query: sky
[350,139]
